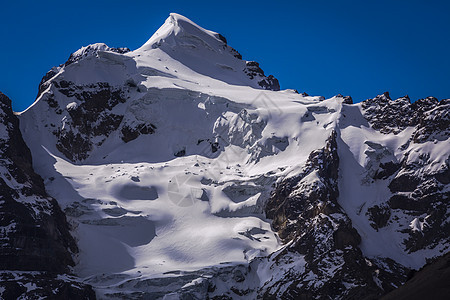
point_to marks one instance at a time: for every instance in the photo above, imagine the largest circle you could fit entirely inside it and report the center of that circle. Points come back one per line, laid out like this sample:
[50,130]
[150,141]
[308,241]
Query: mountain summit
[184,172]
[207,53]
[177,27]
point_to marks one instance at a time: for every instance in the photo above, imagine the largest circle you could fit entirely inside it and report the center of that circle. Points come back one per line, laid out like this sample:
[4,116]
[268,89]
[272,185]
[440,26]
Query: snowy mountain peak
[199,178]
[383,97]
[204,52]
[92,50]
[179,27]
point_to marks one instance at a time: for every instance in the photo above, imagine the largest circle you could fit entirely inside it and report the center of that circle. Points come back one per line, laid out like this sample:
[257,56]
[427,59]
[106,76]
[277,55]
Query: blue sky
[357,48]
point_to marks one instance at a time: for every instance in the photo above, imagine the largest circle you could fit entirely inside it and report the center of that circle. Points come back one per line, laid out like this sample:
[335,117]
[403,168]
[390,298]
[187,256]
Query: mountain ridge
[182,174]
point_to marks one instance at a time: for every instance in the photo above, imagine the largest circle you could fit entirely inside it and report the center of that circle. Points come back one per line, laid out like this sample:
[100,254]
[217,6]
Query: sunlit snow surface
[133,222]
[140,212]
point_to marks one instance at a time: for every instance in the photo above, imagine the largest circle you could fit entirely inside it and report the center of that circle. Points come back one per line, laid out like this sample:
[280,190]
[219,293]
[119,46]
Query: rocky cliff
[36,246]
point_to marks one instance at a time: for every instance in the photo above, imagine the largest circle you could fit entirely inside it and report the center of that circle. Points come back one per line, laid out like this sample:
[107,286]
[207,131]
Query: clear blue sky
[357,48]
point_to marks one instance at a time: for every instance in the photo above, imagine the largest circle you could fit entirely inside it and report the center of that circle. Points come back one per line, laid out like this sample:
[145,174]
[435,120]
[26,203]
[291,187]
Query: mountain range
[181,171]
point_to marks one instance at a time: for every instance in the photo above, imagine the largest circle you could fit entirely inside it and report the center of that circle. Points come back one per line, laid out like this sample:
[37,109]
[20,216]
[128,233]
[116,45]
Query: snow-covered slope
[184,170]
[207,53]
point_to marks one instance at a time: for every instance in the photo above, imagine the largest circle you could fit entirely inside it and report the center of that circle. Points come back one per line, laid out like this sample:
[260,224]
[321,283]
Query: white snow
[357,194]
[140,212]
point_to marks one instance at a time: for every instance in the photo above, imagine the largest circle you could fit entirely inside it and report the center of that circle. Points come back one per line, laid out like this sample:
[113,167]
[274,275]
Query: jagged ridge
[337,179]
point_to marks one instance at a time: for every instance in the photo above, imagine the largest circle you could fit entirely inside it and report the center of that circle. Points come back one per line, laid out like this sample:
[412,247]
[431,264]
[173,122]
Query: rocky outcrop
[318,183]
[34,232]
[430,117]
[418,183]
[87,119]
[433,119]
[379,216]
[386,115]
[131,133]
[253,70]
[346,99]
[37,285]
[420,194]
[322,256]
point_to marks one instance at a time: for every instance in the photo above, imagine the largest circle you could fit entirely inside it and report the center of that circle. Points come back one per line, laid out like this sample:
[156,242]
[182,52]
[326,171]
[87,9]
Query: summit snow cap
[92,50]
[177,28]
[203,51]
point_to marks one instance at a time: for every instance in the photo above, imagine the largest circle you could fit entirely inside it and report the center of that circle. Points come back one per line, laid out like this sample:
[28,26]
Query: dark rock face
[386,170]
[89,116]
[34,232]
[282,208]
[433,122]
[430,282]
[324,247]
[386,115]
[235,53]
[430,117]
[347,99]
[270,83]
[253,70]
[180,153]
[419,191]
[44,286]
[129,133]
[379,215]
[231,49]
[89,119]
[404,183]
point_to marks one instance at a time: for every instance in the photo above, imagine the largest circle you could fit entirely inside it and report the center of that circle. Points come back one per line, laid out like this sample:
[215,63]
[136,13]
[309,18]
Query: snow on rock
[92,50]
[38,285]
[34,233]
[207,53]
[201,179]
[406,184]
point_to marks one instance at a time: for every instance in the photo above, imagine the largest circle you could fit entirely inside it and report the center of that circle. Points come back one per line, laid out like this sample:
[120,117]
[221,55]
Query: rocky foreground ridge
[36,245]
